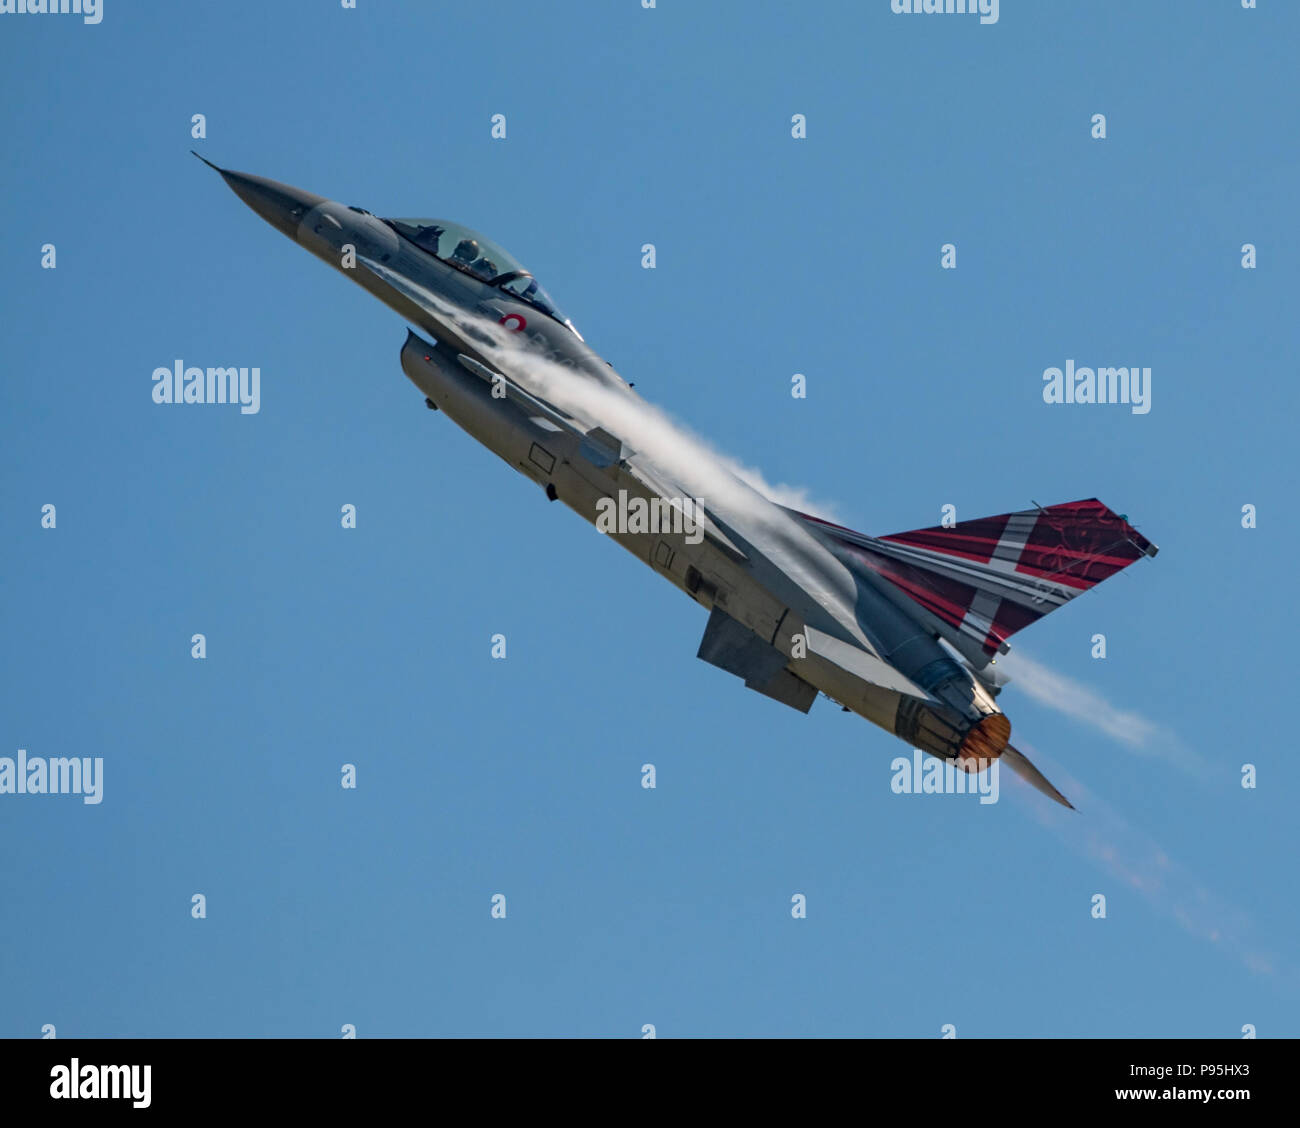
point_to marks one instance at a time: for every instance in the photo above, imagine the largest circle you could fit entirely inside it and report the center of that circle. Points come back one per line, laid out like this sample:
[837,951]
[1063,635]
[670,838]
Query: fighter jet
[903,630]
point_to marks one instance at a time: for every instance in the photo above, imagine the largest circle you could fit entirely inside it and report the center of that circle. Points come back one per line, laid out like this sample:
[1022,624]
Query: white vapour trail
[651,431]
[792,497]
[644,427]
[1079,702]
[1138,863]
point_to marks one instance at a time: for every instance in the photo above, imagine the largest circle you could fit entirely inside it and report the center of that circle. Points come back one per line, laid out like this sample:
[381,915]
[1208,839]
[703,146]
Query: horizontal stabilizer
[1019,763]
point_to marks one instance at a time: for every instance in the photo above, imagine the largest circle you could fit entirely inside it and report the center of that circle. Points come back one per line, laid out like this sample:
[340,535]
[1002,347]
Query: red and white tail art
[981,581]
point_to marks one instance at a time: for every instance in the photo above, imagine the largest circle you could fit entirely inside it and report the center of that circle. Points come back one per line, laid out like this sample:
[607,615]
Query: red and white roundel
[514,322]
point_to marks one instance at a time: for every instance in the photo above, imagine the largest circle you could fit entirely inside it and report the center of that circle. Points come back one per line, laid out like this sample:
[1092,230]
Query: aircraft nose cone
[281,205]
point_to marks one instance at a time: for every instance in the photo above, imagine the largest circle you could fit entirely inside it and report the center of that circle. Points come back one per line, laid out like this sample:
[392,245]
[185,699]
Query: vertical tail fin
[978,582]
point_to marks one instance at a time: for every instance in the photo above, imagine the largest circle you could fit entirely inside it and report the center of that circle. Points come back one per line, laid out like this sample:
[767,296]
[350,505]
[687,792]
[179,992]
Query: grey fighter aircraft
[904,630]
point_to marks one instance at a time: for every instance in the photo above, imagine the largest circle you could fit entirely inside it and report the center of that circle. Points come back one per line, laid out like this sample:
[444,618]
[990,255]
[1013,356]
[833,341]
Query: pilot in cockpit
[465,253]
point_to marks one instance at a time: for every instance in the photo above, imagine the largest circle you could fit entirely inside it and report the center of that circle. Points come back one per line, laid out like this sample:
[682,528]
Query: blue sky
[521,777]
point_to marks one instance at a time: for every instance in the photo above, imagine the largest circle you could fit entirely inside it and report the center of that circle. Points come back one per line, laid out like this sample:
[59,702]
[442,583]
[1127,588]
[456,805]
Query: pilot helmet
[466,251]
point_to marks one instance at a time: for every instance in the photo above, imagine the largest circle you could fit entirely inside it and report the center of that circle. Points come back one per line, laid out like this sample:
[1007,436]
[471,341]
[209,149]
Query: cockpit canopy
[468,251]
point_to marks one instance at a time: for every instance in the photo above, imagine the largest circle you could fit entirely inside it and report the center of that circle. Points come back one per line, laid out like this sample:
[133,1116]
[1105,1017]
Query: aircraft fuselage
[789,613]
